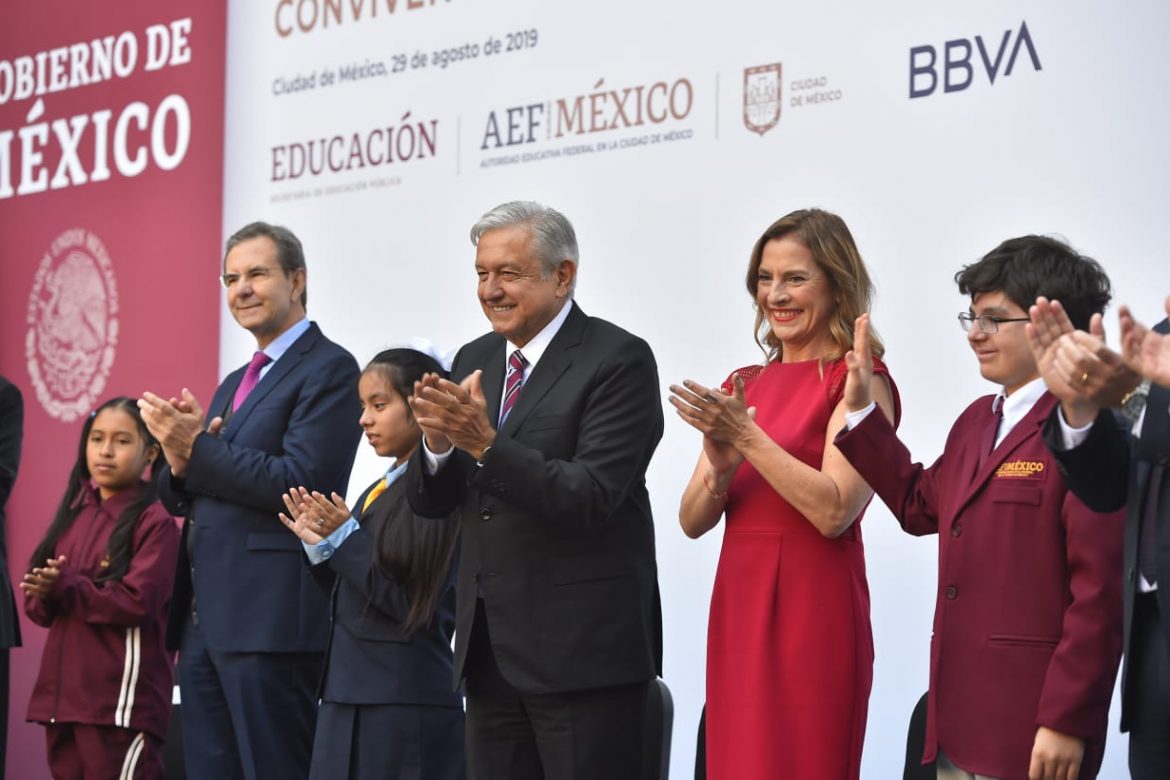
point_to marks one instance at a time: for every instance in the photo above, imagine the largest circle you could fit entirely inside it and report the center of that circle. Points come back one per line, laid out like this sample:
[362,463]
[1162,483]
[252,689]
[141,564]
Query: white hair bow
[428,347]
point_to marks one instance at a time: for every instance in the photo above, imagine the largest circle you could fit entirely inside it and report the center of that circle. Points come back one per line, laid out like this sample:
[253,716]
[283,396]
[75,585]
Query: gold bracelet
[717,496]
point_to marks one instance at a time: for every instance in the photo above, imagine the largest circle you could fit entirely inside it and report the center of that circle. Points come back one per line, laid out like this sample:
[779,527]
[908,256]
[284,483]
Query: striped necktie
[512,383]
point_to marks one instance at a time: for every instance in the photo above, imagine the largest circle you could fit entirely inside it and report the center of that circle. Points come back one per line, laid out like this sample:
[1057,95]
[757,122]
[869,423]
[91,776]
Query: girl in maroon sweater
[100,582]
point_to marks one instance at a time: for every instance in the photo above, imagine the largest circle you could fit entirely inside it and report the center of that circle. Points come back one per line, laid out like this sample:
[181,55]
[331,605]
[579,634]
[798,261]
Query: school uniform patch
[1020,469]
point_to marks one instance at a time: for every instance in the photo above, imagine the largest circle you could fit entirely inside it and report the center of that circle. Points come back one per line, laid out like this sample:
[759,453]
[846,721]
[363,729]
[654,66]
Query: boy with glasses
[1027,624]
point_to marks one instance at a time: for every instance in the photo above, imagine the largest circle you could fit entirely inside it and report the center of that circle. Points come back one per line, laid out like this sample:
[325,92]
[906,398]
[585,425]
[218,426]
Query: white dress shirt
[281,343]
[1015,408]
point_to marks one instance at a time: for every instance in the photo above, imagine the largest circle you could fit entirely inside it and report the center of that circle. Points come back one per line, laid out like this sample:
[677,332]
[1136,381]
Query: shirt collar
[1019,403]
[281,343]
[533,350]
[395,471]
[113,505]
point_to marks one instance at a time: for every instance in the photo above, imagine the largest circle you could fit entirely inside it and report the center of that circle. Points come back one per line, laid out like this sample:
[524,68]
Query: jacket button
[485,513]
[952,592]
[956,530]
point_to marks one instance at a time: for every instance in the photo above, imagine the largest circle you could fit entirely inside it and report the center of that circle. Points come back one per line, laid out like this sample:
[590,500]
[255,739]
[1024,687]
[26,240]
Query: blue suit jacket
[370,659]
[297,427]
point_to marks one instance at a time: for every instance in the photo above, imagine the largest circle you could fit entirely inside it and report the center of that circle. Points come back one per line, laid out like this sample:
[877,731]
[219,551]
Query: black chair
[659,728]
[915,743]
[701,747]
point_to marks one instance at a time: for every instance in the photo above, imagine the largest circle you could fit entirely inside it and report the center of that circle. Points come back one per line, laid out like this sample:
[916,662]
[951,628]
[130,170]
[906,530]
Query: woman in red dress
[789,647]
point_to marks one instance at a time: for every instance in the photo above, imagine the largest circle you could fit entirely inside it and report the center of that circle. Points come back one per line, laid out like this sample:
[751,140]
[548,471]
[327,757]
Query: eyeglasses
[988,323]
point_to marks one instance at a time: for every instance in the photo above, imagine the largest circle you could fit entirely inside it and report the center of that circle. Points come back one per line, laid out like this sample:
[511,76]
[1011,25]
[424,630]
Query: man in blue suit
[249,623]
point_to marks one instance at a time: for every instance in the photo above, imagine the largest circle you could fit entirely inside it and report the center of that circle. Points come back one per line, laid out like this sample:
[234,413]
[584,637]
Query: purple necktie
[512,383]
[251,377]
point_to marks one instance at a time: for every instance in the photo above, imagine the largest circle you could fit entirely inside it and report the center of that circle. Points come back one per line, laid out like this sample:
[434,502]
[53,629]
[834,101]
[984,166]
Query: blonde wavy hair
[835,253]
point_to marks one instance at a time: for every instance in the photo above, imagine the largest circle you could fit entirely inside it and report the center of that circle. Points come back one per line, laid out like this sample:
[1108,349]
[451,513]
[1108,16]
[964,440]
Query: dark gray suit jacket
[557,533]
[1111,469]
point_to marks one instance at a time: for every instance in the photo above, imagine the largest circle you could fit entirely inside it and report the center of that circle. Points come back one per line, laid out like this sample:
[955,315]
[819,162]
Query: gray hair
[289,253]
[553,238]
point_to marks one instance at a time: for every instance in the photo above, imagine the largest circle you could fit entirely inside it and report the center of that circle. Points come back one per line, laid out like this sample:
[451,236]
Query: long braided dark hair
[119,549]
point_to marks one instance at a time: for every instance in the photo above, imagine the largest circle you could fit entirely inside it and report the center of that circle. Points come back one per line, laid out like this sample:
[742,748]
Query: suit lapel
[987,440]
[221,405]
[1025,429]
[492,381]
[288,361]
[553,363]
[359,508]
[1154,440]
[381,506]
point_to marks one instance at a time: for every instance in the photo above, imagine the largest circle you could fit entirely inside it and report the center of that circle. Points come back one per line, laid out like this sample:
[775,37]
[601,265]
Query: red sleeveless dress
[789,647]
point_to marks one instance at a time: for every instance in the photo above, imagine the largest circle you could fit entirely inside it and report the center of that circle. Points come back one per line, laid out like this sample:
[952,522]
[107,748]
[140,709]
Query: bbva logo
[958,71]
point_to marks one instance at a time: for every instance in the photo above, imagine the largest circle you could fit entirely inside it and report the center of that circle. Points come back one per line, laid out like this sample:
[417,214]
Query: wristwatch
[1134,402]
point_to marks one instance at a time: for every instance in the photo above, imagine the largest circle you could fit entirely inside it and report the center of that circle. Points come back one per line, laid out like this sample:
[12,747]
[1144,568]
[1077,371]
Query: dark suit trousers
[576,735]
[246,716]
[1149,690]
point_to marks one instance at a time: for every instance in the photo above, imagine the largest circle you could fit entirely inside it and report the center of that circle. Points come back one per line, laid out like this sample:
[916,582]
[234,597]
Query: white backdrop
[666,211]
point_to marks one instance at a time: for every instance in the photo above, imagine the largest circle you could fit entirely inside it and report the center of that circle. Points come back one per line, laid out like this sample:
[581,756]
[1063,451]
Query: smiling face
[795,297]
[512,292]
[386,419]
[116,454]
[1004,357]
[261,296]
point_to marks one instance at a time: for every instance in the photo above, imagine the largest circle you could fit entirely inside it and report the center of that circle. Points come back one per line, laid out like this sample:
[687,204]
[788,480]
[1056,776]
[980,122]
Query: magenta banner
[111,171]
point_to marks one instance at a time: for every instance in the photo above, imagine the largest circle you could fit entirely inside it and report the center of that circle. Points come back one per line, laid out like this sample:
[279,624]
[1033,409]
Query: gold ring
[319,522]
[1085,378]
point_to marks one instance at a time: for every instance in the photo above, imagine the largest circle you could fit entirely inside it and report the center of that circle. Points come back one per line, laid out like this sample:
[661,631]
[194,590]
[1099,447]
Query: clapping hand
[176,423]
[450,413]
[723,420]
[39,582]
[1144,351]
[311,515]
[1077,367]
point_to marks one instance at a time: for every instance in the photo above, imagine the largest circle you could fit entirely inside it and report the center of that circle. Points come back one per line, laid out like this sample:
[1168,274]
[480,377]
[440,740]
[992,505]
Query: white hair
[553,238]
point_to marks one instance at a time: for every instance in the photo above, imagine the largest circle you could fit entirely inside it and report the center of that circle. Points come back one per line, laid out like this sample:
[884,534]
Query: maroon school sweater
[104,661]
